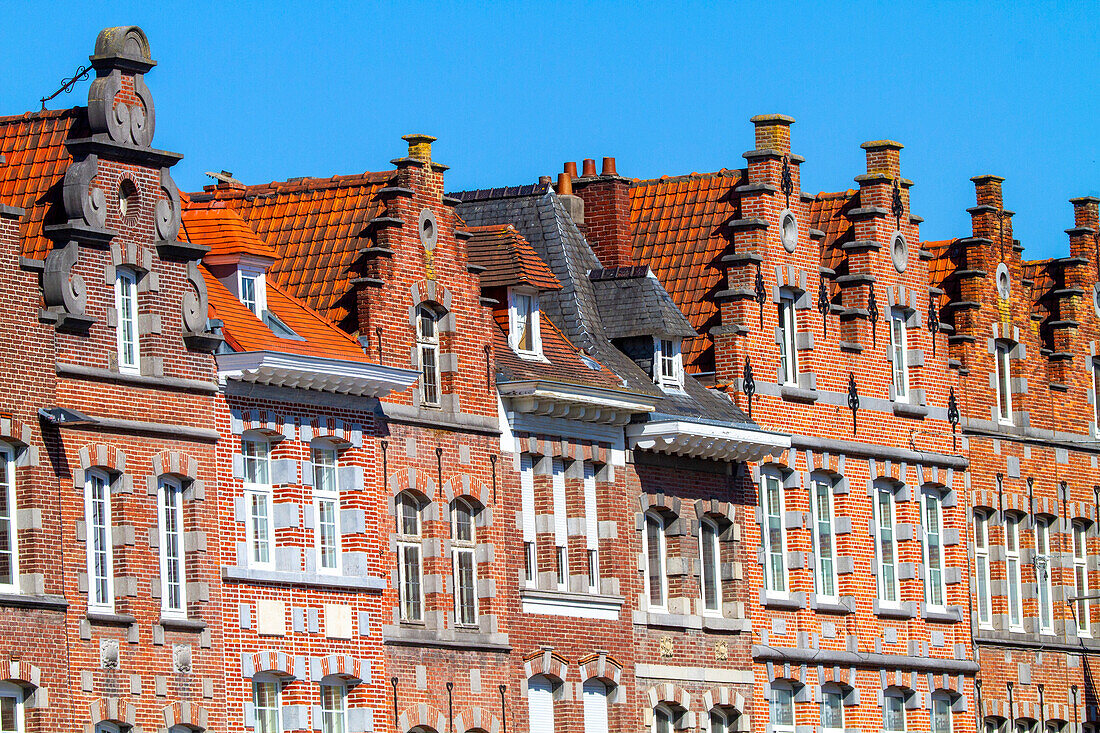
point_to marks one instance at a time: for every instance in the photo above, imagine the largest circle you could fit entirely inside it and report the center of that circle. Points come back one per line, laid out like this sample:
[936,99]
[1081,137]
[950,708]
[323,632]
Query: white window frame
[410,545]
[821,504]
[710,566]
[427,348]
[595,695]
[516,298]
[830,690]
[720,720]
[653,518]
[900,698]
[325,461]
[258,302]
[1081,578]
[1012,571]
[98,533]
[9,523]
[561,523]
[664,719]
[1002,365]
[170,511]
[258,494]
[1094,366]
[12,691]
[782,700]
[126,330]
[899,349]
[940,699]
[260,681]
[668,364]
[773,527]
[591,528]
[886,543]
[935,587]
[527,499]
[334,719]
[787,320]
[981,569]
[464,548]
[1043,566]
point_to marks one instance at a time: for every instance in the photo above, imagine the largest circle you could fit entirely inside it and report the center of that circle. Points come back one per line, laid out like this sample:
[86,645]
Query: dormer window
[524,322]
[251,291]
[668,366]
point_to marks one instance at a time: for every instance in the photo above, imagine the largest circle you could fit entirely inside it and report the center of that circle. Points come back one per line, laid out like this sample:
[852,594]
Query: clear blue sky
[271,91]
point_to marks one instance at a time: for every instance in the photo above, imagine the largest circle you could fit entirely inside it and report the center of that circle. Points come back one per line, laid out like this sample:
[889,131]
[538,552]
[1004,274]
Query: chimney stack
[883,157]
[773,132]
[420,147]
[589,170]
[573,205]
[606,213]
[988,188]
[1082,237]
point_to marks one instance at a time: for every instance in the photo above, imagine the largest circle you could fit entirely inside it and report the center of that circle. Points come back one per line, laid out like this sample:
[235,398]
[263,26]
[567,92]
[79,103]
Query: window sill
[793,393]
[842,605]
[784,602]
[182,624]
[950,615]
[417,635]
[235,574]
[110,619]
[906,409]
[531,356]
[18,600]
[576,605]
[892,610]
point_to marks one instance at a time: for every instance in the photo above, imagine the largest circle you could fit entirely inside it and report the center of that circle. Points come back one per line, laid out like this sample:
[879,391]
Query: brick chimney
[1082,237]
[606,213]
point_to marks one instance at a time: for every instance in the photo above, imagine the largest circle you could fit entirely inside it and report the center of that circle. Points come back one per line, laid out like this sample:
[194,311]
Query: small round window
[1004,284]
[428,229]
[899,252]
[788,232]
[129,204]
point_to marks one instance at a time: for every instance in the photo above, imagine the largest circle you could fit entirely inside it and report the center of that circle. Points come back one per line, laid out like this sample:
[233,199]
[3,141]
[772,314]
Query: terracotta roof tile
[564,361]
[508,258]
[223,230]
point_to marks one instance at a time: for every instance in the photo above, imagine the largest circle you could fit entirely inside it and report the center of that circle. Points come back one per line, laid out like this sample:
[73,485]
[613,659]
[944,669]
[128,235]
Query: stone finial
[420,146]
[883,156]
[773,132]
[122,47]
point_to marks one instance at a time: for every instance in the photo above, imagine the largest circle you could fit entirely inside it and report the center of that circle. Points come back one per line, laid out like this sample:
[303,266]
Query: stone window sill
[18,600]
[416,635]
[236,574]
[797,394]
[901,610]
[784,602]
[182,624]
[111,619]
[950,615]
[905,409]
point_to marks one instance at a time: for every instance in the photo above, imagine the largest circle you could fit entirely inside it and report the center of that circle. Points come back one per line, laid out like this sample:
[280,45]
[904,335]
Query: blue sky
[271,91]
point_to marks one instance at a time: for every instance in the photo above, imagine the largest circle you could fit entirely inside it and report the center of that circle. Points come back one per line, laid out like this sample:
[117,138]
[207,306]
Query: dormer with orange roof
[237,257]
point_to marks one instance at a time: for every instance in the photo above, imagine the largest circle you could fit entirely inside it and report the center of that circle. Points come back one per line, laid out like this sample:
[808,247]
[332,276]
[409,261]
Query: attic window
[251,291]
[668,365]
[524,333]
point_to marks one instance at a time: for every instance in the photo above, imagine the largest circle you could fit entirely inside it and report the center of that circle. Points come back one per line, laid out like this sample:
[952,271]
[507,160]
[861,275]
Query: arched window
[664,719]
[941,713]
[427,343]
[893,711]
[266,703]
[173,592]
[722,720]
[97,513]
[256,462]
[710,570]
[993,724]
[334,707]
[1027,725]
[108,727]
[326,503]
[11,708]
[935,592]
[409,552]
[656,578]
[9,541]
[463,561]
[126,306]
[540,704]
[595,707]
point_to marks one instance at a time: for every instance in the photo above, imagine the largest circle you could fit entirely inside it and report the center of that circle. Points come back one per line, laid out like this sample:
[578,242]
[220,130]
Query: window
[265,703]
[591,528]
[249,282]
[326,500]
[893,711]
[97,512]
[981,568]
[886,545]
[11,708]
[126,307]
[561,524]
[663,720]
[1003,368]
[9,544]
[409,569]
[941,714]
[899,355]
[595,707]
[781,708]
[333,706]
[173,586]
[653,540]
[256,458]
[788,355]
[721,721]
[667,364]
[1081,577]
[832,709]
[527,498]
[1096,393]
[1012,570]
[524,330]
[710,575]
[821,495]
[427,344]
[463,562]
[1042,574]
[107,727]
[540,705]
[934,591]
[775,573]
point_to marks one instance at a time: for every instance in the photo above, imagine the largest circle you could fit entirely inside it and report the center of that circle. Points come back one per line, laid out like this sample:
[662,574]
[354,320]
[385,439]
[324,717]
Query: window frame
[126,329]
[658,519]
[326,491]
[713,559]
[940,699]
[257,487]
[593,691]
[1042,564]
[662,710]
[934,578]
[983,579]
[775,579]
[899,354]
[260,681]
[561,522]
[530,534]
[92,536]
[340,713]
[824,566]
[900,697]
[667,353]
[12,691]
[831,689]
[1083,609]
[592,527]
[549,691]
[464,548]
[171,487]
[787,320]
[409,543]
[516,321]
[1002,365]
[786,691]
[1013,575]
[892,586]
[10,493]
[428,344]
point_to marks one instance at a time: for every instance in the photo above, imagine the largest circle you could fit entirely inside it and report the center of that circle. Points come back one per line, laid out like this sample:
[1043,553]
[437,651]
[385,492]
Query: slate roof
[632,302]
[508,258]
[316,226]
[32,146]
[224,231]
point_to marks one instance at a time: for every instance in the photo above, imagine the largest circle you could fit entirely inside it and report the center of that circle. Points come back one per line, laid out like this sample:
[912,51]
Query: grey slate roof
[632,302]
[575,309]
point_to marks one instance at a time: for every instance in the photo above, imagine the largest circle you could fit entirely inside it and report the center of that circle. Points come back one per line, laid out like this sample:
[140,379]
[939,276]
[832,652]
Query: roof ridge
[829,195]
[296,185]
[41,114]
[693,176]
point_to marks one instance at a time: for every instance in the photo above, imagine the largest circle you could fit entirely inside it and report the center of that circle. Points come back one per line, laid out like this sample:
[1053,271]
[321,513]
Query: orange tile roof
[245,332]
[941,265]
[828,213]
[223,230]
[315,227]
[677,224]
[563,359]
[33,146]
[508,258]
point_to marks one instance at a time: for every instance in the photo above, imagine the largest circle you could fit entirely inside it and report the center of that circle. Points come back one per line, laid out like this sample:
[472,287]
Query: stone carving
[721,650]
[61,288]
[108,653]
[666,646]
[168,209]
[127,119]
[84,203]
[181,657]
[195,301]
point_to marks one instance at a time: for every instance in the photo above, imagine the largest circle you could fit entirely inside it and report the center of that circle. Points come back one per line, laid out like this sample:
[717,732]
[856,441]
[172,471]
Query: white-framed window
[899,354]
[524,332]
[668,366]
[1003,377]
[788,351]
[710,566]
[256,461]
[1012,570]
[1081,577]
[97,513]
[591,528]
[656,561]
[11,708]
[824,536]
[427,345]
[410,569]
[463,561]
[334,705]
[126,307]
[781,708]
[1094,365]
[252,290]
[981,568]
[721,721]
[561,523]
[893,711]
[527,502]
[664,720]
[9,540]
[173,580]
[940,714]
[326,505]
[266,702]
[595,707]
[935,591]
[773,534]
[832,709]
[886,544]
[1042,574]
[540,704]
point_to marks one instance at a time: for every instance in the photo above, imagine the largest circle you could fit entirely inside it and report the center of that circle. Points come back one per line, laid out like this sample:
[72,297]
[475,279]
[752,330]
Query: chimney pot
[565,185]
[609,167]
[420,146]
[589,169]
[544,180]
[571,169]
